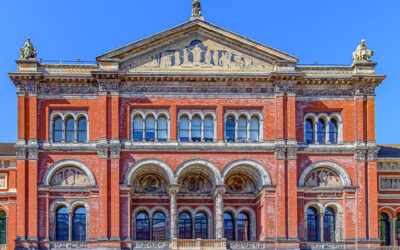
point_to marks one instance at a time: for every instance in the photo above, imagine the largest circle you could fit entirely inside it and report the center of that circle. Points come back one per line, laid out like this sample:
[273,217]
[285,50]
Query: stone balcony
[197,244]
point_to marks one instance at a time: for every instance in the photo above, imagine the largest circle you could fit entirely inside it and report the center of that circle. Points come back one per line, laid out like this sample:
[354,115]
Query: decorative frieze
[150,244]
[389,183]
[245,245]
[68,245]
[360,155]
[71,88]
[26,87]
[391,166]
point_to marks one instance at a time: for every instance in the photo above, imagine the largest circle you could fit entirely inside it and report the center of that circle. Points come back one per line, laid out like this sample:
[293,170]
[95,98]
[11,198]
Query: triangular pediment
[197,46]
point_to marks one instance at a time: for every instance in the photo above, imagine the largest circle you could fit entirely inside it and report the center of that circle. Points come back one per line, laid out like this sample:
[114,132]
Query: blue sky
[312,30]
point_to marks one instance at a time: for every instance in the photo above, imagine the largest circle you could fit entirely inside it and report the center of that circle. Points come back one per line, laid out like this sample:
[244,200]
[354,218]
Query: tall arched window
[184,129]
[185,226]
[329,224]
[242,129]
[3,227]
[384,229]
[312,224]
[62,224]
[159,226]
[79,224]
[142,226]
[196,129]
[398,229]
[243,227]
[208,129]
[138,129]
[162,129]
[254,129]
[70,130]
[57,129]
[201,226]
[309,131]
[82,129]
[333,131]
[321,131]
[150,129]
[230,129]
[229,227]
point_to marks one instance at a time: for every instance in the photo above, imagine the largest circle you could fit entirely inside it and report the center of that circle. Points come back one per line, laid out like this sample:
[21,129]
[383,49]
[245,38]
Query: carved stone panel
[196,184]
[150,183]
[389,183]
[323,177]
[69,176]
[392,166]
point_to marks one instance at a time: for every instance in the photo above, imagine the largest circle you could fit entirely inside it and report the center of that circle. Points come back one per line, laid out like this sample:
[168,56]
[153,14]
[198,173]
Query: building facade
[199,138]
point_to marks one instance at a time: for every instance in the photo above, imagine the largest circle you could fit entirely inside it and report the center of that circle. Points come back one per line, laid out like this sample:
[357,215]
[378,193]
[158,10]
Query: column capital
[360,154]
[102,149]
[219,190]
[115,149]
[20,148]
[173,189]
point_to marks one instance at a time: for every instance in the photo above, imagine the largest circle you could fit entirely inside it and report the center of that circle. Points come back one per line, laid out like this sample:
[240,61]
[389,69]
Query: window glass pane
[312,225]
[62,224]
[230,129]
[254,129]
[142,227]
[162,129]
[329,225]
[3,227]
[208,129]
[138,129]
[185,226]
[184,129]
[57,130]
[196,129]
[150,129]
[321,131]
[333,132]
[70,130]
[243,227]
[309,131]
[229,232]
[159,226]
[79,224]
[398,229]
[82,130]
[201,226]
[384,229]
[242,129]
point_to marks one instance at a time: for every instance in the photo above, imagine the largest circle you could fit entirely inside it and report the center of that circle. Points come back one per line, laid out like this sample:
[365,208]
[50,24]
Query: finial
[362,54]
[196,10]
[28,51]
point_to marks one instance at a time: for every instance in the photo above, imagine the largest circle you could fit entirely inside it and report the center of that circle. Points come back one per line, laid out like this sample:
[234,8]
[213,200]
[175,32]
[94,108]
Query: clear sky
[326,32]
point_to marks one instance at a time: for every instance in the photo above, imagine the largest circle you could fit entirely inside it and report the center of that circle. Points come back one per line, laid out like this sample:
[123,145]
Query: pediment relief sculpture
[195,54]
[195,184]
[150,183]
[240,184]
[69,176]
[323,177]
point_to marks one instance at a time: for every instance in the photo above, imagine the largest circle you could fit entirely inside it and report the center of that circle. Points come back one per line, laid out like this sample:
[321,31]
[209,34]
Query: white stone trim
[247,114]
[168,174]
[253,220]
[76,115]
[342,173]
[202,114]
[216,178]
[327,118]
[155,114]
[68,162]
[263,177]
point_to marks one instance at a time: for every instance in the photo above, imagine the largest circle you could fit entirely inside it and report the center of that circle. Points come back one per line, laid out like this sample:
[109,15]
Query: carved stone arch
[257,114]
[197,113]
[135,212]
[163,113]
[163,210]
[210,219]
[335,167]
[4,208]
[339,229]
[311,204]
[336,116]
[136,169]
[70,115]
[52,220]
[150,114]
[255,169]
[56,114]
[389,210]
[80,115]
[231,113]
[253,220]
[68,163]
[187,209]
[137,113]
[81,203]
[335,205]
[311,116]
[209,168]
[210,114]
[323,116]
[244,114]
[184,113]
[232,211]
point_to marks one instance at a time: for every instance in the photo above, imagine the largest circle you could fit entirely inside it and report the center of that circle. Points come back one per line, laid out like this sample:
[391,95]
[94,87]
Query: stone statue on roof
[28,51]
[362,54]
[196,8]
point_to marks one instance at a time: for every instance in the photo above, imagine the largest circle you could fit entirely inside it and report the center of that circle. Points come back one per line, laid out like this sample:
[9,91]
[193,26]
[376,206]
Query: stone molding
[68,162]
[344,176]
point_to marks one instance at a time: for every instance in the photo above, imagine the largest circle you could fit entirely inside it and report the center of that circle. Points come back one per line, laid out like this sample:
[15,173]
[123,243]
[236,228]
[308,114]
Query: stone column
[219,212]
[321,227]
[173,193]
[393,231]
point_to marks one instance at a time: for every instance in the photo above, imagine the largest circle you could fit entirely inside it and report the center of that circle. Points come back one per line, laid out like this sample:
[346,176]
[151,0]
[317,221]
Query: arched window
[333,131]
[398,229]
[184,129]
[208,129]
[201,226]
[62,224]
[79,224]
[159,226]
[242,129]
[138,129]
[142,226]
[150,129]
[230,129]
[196,129]
[229,227]
[329,224]
[312,224]
[3,227]
[185,226]
[254,129]
[57,129]
[82,129]
[384,229]
[309,136]
[243,227]
[321,131]
[162,129]
[70,130]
